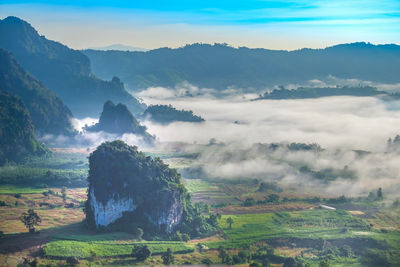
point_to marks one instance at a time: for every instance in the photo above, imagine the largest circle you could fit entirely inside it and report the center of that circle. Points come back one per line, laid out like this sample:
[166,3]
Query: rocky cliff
[117,119]
[129,189]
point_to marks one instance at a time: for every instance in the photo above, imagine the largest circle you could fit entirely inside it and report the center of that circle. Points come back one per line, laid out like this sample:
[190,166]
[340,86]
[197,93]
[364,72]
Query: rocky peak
[126,186]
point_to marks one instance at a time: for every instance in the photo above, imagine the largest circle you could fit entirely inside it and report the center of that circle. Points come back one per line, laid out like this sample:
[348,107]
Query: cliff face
[126,187]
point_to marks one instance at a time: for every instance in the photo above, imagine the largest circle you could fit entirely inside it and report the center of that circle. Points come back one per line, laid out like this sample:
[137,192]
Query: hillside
[17,139]
[117,119]
[166,114]
[48,113]
[63,70]
[220,66]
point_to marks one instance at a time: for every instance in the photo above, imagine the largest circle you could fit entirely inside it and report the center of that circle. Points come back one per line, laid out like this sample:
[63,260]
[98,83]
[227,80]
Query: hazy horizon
[287,25]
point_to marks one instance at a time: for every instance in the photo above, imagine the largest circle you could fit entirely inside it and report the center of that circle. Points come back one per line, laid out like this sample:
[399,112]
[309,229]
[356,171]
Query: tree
[200,247]
[167,257]
[379,193]
[273,198]
[30,219]
[324,263]
[139,233]
[206,261]
[229,221]
[289,262]
[244,255]
[224,255]
[141,253]
[72,261]
[32,263]
[64,193]
[265,262]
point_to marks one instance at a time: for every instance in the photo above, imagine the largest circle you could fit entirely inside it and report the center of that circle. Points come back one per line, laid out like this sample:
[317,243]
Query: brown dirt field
[355,212]
[289,252]
[207,239]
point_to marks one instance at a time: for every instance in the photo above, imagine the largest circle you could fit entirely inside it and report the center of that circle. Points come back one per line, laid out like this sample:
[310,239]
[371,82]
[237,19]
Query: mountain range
[63,70]
[220,66]
[48,113]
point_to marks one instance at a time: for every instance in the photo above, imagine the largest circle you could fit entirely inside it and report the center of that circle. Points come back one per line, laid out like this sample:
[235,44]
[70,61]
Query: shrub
[72,261]
[141,253]
[167,257]
[206,261]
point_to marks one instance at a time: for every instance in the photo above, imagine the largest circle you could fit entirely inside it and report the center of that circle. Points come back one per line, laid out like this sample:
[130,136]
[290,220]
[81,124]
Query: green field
[248,229]
[9,189]
[84,249]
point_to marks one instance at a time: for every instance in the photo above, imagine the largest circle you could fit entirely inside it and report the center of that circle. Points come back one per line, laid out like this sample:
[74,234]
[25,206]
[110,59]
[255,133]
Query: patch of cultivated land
[293,229]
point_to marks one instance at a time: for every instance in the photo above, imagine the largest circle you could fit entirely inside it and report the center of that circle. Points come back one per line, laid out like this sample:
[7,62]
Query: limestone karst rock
[117,119]
[130,188]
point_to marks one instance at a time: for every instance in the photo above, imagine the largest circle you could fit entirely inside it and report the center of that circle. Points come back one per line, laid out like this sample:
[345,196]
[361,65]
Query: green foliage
[229,221]
[269,186]
[64,193]
[72,261]
[17,140]
[249,202]
[324,263]
[168,114]
[375,257]
[118,119]
[48,113]
[107,248]
[315,92]
[221,66]
[63,70]
[224,256]
[40,177]
[31,219]
[249,229]
[328,174]
[141,253]
[168,258]
[151,183]
[206,261]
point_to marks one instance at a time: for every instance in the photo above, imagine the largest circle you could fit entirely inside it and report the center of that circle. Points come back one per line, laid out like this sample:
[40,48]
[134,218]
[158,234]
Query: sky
[284,24]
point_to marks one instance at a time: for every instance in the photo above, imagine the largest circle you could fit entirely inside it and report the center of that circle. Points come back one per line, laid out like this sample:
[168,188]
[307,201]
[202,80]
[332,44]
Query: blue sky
[287,24]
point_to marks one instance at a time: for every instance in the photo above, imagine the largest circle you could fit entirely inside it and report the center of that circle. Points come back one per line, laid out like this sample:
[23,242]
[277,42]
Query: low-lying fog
[338,124]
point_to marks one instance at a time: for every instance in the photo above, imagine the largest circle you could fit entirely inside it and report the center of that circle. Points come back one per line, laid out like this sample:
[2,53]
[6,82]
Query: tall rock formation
[129,189]
[117,119]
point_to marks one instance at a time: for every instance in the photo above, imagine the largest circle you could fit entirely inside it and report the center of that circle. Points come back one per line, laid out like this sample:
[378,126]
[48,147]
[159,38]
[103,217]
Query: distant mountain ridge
[317,92]
[221,66]
[63,70]
[120,47]
[48,113]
